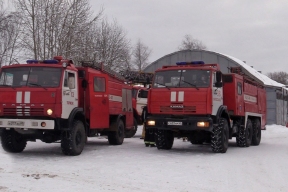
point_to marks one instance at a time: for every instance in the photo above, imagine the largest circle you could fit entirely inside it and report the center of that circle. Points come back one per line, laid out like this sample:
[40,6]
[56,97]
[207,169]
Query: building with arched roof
[277,94]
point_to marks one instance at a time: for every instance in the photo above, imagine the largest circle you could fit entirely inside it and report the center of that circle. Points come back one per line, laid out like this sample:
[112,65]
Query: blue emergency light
[32,61]
[51,61]
[181,63]
[192,62]
[197,62]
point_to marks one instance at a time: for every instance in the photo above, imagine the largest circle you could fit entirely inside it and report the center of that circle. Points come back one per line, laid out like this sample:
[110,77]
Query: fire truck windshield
[30,76]
[182,78]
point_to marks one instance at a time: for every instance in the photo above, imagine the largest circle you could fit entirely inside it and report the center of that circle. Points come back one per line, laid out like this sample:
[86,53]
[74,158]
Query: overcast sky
[253,31]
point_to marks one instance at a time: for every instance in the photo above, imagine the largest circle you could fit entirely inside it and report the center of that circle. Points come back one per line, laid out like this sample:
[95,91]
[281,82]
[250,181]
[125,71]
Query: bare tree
[54,27]
[9,33]
[189,43]
[68,28]
[141,54]
[111,45]
[280,77]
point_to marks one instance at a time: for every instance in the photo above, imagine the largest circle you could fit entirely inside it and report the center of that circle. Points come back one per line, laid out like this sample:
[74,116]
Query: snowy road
[134,167]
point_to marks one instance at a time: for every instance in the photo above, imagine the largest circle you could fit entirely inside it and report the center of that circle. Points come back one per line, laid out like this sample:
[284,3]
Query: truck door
[127,106]
[217,96]
[70,93]
[99,103]
[239,99]
[141,100]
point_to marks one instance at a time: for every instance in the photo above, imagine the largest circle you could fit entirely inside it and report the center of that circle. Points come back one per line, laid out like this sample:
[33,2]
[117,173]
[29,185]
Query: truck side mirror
[218,82]
[84,83]
[218,76]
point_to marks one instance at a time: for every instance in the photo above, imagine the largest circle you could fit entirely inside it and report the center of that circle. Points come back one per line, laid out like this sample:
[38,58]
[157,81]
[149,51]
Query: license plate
[17,123]
[174,123]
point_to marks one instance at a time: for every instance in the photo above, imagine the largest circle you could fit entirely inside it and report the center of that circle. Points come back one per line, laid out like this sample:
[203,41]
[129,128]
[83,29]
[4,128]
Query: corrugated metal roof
[263,78]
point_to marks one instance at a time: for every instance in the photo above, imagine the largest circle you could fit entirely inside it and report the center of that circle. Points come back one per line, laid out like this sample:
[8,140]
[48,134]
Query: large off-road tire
[12,141]
[131,132]
[220,137]
[256,138]
[164,139]
[73,141]
[117,137]
[244,137]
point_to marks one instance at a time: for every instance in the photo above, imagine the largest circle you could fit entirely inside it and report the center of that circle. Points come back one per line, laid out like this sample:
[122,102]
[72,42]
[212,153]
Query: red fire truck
[195,100]
[53,100]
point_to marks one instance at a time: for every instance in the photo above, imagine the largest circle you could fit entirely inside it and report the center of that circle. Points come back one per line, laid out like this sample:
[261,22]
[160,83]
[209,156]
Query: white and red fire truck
[139,100]
[53,100]
[139,81]
[195,100]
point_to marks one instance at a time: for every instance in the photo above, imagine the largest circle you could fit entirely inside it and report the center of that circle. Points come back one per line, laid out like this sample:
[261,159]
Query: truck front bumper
[27,124]
[180,124]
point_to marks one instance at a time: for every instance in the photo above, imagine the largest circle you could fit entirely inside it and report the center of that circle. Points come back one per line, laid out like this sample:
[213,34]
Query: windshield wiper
[193,85]
[163,85]
[8,86]
[38,85]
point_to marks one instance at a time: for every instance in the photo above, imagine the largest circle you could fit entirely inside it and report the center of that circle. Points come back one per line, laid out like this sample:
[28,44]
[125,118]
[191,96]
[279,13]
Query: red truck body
[253,99]
[84,102]
[222,107]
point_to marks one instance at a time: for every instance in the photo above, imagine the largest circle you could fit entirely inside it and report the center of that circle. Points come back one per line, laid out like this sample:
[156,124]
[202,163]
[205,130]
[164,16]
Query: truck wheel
[117,137]
[12,141]
[244,137]
[131,132]
[164,139]
[220,136]
[256,138]
[73,141]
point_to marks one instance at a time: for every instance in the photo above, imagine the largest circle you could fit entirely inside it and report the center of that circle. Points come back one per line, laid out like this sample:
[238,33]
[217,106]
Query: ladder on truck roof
[128,76]
[103,68]
[136,77]
[248,79]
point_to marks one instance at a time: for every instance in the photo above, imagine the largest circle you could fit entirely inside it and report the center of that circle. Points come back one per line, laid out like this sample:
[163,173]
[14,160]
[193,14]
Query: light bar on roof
[192,62]
[32,61]
[51,61]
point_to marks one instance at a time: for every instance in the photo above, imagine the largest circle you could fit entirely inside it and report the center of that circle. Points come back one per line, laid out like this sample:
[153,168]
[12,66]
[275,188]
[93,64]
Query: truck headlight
[151,123]
[202,124]
[49,111]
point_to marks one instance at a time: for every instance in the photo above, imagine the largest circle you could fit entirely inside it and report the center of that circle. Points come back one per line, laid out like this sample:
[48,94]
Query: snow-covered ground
[134,167]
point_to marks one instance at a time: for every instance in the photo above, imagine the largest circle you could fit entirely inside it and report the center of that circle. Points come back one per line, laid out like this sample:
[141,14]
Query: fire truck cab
[53,100]
[195,100]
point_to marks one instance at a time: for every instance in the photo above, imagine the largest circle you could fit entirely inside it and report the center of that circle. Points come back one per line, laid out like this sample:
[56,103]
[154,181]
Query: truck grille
[23,111]
[185,109]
